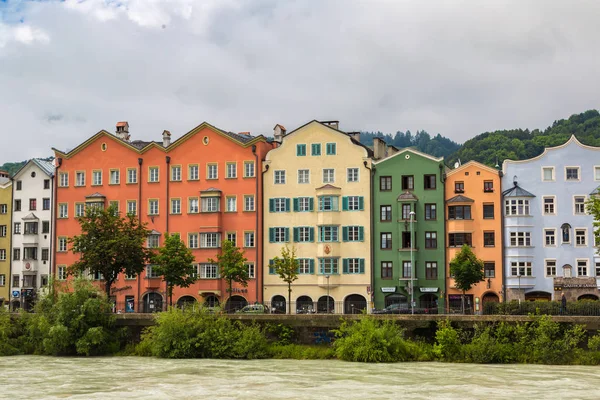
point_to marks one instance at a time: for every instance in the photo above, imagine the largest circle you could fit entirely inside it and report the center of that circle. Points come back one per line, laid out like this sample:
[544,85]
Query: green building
[407,182]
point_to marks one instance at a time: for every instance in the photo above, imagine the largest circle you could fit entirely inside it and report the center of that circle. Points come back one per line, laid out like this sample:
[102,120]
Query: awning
[428,289]
[206,293]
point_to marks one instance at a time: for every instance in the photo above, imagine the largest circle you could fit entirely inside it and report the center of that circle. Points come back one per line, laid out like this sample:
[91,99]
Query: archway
[355,304]
[326,304]
[186,302]
[153,302]
[490,298]
[304,305]
[428,303]
[538,296]
[588,297]
[235,303]
[211,301]
[396,299]
[278,305]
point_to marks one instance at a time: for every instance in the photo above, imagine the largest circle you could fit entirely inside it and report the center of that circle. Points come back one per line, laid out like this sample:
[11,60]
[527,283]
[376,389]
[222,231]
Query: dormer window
[566,233]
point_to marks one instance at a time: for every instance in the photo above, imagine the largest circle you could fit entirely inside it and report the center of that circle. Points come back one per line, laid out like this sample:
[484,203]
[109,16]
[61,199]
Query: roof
[516,191]
[211,189]
[473,163]
[409,149]
[596,191]
[280,126]
[328,186]
[407,196]
[4,181]
[30,216]
[95,195]
[45,166]
[460,199]
[122,123]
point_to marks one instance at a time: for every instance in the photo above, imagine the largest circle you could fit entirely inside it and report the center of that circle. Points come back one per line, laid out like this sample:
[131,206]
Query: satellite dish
[456,164]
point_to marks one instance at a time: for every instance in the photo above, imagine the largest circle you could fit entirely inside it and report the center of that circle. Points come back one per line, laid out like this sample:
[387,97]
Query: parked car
[395,308]
[253,309]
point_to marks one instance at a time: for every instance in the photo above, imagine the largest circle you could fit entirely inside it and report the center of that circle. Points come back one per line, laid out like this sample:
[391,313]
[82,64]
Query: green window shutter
[346,262]
[311,204]
[296,234]
[321,266]
[300,149]
[271,268]
[287,235]
[361,266]
[311,234]
[345,233]
[316,149]
[361,203]
[311,266]
[271,205]
[287,205]
[271,235]
[296,204]
[345,203]
[321,234]
[361,233]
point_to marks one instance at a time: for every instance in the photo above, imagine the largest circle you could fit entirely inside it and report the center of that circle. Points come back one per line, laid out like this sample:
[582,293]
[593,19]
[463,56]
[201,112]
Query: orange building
[205,186]
[474,217]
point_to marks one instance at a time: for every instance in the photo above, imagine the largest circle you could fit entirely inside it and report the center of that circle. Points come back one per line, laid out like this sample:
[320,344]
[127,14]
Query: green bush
[448,346]
[9,334]
[301,352]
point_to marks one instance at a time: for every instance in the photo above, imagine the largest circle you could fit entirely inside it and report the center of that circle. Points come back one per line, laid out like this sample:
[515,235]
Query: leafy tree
[109,245]
[232,265]
[467,271]
[287,269]
[174,263]
[593,208]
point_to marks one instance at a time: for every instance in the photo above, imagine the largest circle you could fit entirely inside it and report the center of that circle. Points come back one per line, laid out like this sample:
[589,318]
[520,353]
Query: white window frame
[525,265]
[193,205]
[232,237]
[303,176]
[585,241]
[79,209]
[61,272]
[354,265]
[212,171]
[304,266]
[575,204]
[304,234]
[153,174]
[304,204]
[131,175]
[193,240]
[63,179]
[596,171]
[587,266]
[279,204]
[328,175]
[210,240]
[553,236]
[153,207]
[79,178]
[554,208]
[97,178]
[209,271]
[510,203]
[526,236]
[249,239]
[548,264]
[249,201]
[63,211]
[176,173]
[352,175]
[231,170]
[553,174]
[354,233]
[114,176]
[578,174]
[210,204]
[279,234]
[153,241]
[193,172]
[176,206]
[279,177]
[231,204]
[249,169]
[132,210]
[353,203]
[251,270]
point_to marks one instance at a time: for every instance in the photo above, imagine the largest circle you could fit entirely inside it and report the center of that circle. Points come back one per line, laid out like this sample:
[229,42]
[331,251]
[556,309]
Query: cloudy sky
[458,67]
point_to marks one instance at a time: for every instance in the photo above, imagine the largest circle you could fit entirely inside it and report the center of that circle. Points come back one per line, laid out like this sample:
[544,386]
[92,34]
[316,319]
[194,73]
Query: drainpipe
[168,161]
[443,181]
[371,227]
[52,224]
[139,206]
[12,204]
[256,275]
[502,246]
[54,237]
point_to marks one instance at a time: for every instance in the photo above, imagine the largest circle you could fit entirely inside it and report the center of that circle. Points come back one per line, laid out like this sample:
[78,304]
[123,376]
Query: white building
[33,205]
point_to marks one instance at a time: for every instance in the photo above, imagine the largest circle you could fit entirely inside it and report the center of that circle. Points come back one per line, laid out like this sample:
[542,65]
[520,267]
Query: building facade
[548,235]
[474,217]
[5,238]
[32,217]
[408,211]
[205,186]
[318,201]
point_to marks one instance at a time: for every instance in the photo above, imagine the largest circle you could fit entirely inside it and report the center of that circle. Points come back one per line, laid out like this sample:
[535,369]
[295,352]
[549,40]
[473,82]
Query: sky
[456,67]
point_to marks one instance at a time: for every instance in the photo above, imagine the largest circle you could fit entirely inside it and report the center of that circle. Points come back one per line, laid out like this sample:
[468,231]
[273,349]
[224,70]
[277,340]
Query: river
[30,377]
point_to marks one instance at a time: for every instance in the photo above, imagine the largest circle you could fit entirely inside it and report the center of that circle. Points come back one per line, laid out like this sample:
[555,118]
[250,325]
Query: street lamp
[412,265]
[519,276]
[327,277]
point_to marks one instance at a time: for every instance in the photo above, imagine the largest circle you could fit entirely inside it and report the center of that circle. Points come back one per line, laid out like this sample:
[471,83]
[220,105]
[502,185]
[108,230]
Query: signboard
[388,289]
[16,293]
[429,290]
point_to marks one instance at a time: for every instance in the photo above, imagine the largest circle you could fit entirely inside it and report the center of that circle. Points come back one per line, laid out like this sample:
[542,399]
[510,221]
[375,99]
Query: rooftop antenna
[456,165]
[497,165]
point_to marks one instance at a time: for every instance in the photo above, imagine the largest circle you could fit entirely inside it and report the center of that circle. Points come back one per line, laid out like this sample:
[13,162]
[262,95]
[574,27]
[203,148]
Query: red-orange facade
[205,186]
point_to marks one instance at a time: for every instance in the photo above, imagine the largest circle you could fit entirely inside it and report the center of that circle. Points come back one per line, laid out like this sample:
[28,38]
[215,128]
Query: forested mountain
[437,146]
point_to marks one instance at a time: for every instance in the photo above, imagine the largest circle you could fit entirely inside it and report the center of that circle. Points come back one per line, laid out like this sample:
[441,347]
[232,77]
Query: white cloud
[24,34]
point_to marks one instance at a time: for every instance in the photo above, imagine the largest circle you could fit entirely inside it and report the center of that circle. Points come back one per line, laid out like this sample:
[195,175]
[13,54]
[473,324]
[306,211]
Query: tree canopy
[466,270]
[286,267]
[232,265]
[438,146]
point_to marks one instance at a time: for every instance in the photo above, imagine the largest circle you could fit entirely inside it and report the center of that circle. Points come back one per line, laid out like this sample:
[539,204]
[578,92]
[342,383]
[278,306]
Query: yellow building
[5,236]
[317,200]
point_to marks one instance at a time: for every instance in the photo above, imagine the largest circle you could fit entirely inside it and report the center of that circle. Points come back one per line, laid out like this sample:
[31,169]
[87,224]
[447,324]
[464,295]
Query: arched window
[566,233]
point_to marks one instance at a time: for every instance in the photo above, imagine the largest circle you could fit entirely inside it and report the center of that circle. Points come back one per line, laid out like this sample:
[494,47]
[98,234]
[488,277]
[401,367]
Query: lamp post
[519,276]
[327,277]
[412,265]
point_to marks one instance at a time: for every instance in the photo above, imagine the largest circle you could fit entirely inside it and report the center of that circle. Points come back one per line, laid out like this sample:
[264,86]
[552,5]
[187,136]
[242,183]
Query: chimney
[379,148]
[278,133]
[122,131]
[332,124]
[166,138]
[355,136]
[244,133]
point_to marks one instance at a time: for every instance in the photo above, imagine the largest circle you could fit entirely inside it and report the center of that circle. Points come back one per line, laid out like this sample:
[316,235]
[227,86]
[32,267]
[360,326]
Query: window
[430,212]
[520,239]
[328,233]
[572,173]
[516,207]
[16,281]
[32,204]
[17,205]
[61,273]
[231,170]
[114,204]
[597,173]
[130,276]
[153,241]
[597,268]
[2,254]
[385,183]
[549,206]
[489,239]
[2,280]
[232,237]
[300,150]
[387,270]
[580,237]
[406,210]
[548,174]
[193,172]
[279,235]
[459,187]
[279,176]
[331,149]
[153,174]
[248,239]
[2,230]
[131,175]
[45,203]
[352,203]
[193,205]
[115,176]
[406,241]
[354,266]
[408,182]
[328,175]
[488,211]
[210,204]
[248,169]
[430,181]
[210,240]
[62,211]
[431,240]
[550,237]
[17,228]
[305,266]
[248,202]
[328,266]
[406,270]
[30,253]
[520,268]
[303,204]
[582,267]
[212,171]
[251,270]
[193,240]
[579,203]
[45,254]
[328,203]
[431,270]
[20,184]
[386,213]
[303,176]
[566,233]
[16,254]
[315,149]
[176,173]
[80,178]
[352,174]
[488,186]
[175,206]
[459,239]
[353,233]
[31,228]
[151,272]
[231,204]
[153,207]
[550,267]
[489,269]
[3,208]
[46,183]
[303,234]
[279,204]
[96,178]
[386,241]
[132,207]
[459,212]
[63,180]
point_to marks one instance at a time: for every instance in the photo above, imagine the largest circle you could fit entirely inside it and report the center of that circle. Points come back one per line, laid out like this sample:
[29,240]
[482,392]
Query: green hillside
[437,146]
[12,167]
